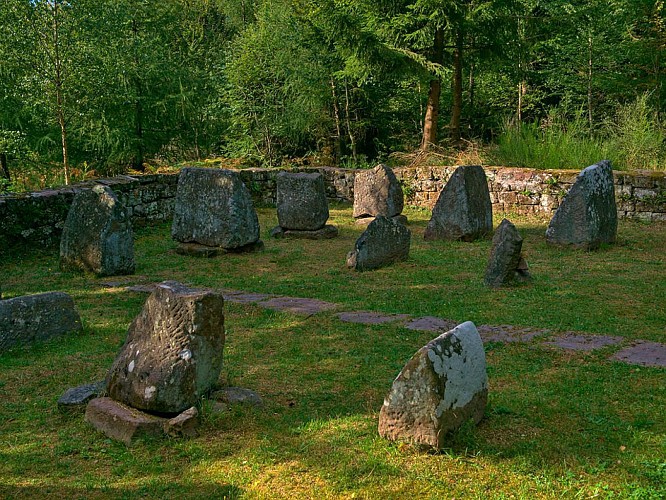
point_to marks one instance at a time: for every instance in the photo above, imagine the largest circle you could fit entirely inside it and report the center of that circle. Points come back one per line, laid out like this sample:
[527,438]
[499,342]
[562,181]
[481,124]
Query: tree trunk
[350,132]
[456,110]
[59,91]
[5,167]
[432,108]
[589,80]
[137,159]
[337,138]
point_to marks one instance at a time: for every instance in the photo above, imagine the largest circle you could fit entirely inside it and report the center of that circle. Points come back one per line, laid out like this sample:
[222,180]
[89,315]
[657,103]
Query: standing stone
[24,320]
[384,241]
[377,192]
[444,385]
[173,352]
[506,264]
[587,216]
[214,208]
[301,201]
[97,236]
[463,210]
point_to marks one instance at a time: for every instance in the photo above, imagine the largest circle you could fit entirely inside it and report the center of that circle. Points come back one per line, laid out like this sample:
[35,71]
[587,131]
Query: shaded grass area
[558,424]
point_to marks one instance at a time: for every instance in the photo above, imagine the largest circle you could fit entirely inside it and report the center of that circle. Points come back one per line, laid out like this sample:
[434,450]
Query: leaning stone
[506,264]
[121,422]
[97,236]
[173,352]
[587,216]
[301,201]
[237,395]
[31,318]
[377,192]
[325,233]
[444,385]
[383,243]
[214,208]
[76,399]
[463,210]
[183,425]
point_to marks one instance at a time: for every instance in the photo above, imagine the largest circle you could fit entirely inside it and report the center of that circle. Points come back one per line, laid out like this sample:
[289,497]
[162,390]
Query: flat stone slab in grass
[150,288]
[431,324]
[297,305]
[325,233]
[237,395]
[583,342]
[508,333]
[121,422]
[196,250]
[371,318]
[644,354]
[76,399]
[239,297]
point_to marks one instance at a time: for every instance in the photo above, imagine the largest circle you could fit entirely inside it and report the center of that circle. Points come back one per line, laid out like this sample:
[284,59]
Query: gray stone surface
[377,192]
[30,318]
[643,353]
[384,242]
[583,342]
[324,233]
[121,422]
[301,201]
[97,236]
[76,399]
[463,210]
[587,216]
[506,264]
[364,221]
[173,352]
[440,388]
[185,424]
[508,334]
[237,395]
[214,208]
[370,317]
[431,324]
[296,305]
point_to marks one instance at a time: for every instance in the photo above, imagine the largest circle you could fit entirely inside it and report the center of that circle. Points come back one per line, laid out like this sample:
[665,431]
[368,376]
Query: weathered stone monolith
[97,236]
[36,317]
[173,352]
[214,208]
[587,216]
[444,385]
[301,201]
[463,210]
[377,192]
[384,242]
[506,264]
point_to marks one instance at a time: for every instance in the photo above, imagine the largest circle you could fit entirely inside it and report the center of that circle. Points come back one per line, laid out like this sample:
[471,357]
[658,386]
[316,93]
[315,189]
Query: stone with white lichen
[439,389]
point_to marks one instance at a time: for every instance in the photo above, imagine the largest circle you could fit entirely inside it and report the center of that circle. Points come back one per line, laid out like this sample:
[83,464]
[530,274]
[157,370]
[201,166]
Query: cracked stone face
[301,201]
[441,387]
[377,192]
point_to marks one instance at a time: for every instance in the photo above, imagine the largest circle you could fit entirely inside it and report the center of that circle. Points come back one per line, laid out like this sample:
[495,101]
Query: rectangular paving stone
[583,342]
[297,305]
[643,353]
[371,318]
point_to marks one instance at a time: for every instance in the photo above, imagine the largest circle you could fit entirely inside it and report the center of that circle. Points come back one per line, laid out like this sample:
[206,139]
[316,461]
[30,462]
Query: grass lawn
[559,423]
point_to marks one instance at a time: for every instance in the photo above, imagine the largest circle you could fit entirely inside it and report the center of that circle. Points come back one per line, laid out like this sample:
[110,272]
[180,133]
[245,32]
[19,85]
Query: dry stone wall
[37,218]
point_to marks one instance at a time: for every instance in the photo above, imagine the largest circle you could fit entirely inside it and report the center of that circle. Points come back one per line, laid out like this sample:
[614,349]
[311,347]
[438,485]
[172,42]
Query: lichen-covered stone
[76,399]
[120,422]
[97,236]
[440,388]
[173,352]
[36,317]
[463,210]
[214,208]
[587,216]
[184,424]
[377,192]
[301,201]
[506,264]
[384,242]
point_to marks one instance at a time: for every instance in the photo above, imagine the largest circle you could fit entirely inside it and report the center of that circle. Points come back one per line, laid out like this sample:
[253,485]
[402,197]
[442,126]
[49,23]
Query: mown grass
[559,423]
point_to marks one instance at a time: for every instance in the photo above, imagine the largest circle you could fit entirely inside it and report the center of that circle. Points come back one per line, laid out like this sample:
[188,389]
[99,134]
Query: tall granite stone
[173,352]
[377,192]
[463,210]
[440,388]
[36,317]
[587,216]
[384,242]
[301,201]
[506,264]
[214,208]
[97,236]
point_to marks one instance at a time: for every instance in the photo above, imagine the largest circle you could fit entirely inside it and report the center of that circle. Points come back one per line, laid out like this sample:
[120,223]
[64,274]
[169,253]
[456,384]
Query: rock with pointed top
[384,242]
[506,264]
[377,192]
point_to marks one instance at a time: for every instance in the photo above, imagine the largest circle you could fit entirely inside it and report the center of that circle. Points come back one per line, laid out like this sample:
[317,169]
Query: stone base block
[183,425]
[120,422]
[326,232]
[197,250]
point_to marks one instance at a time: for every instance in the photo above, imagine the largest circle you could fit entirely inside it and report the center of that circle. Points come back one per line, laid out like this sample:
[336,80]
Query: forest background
[100,87]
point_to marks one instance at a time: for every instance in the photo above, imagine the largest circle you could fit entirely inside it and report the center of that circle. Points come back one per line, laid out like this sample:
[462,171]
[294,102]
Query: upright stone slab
[214,208]
[377,192]
[463,210]
[301,201]
[173,352]
[444,385]
[97,236]
[587,216]
[36,317]
[384,242]
[506,264]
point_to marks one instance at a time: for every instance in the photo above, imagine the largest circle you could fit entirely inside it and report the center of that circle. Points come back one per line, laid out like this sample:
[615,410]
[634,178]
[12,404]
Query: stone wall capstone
[37,218]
